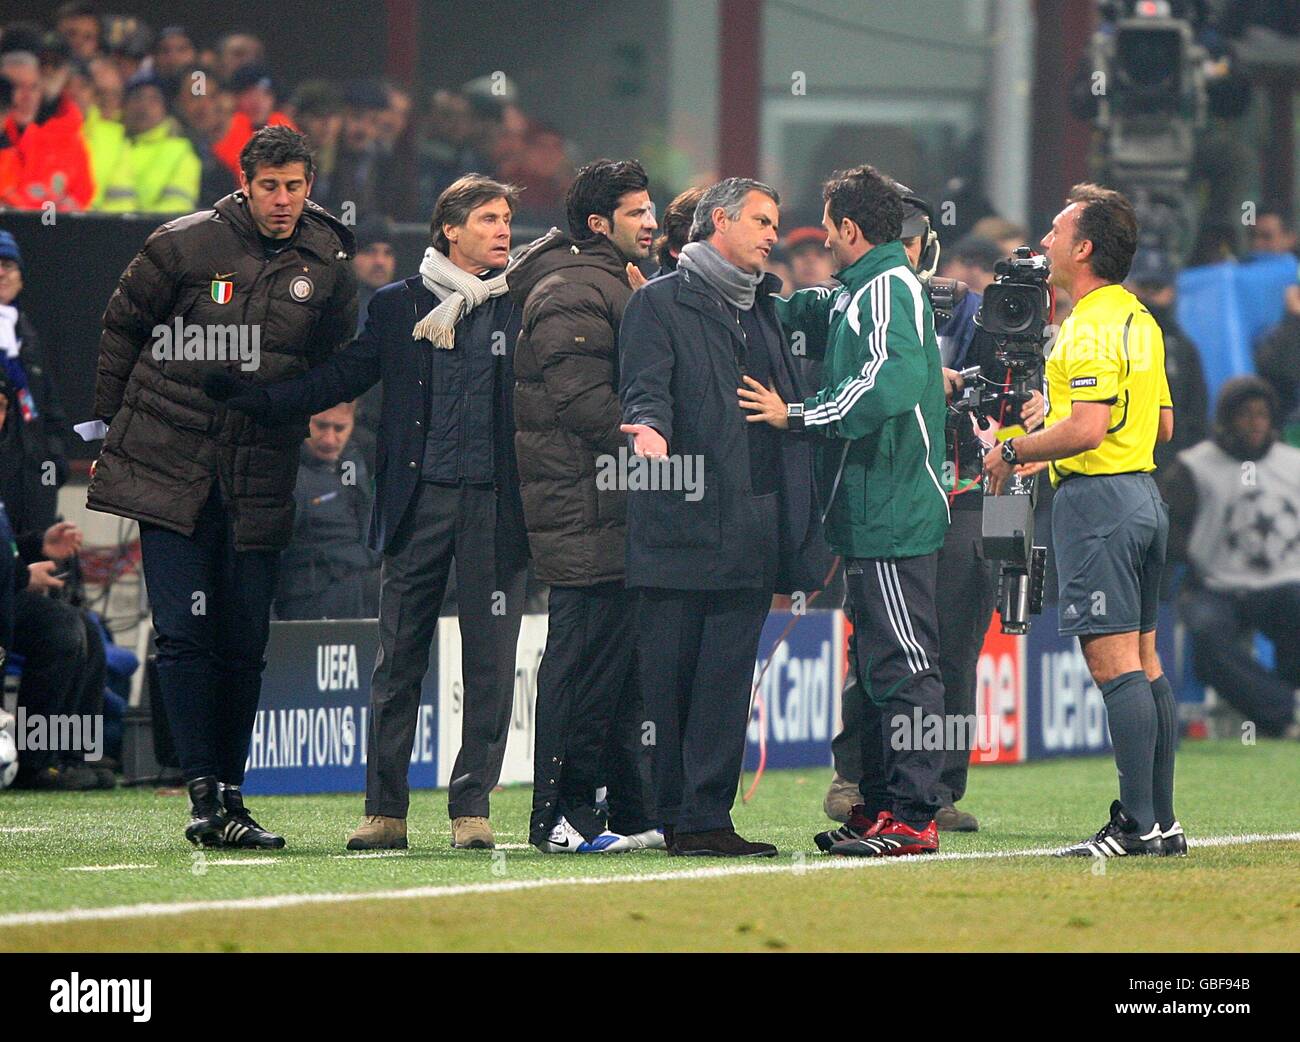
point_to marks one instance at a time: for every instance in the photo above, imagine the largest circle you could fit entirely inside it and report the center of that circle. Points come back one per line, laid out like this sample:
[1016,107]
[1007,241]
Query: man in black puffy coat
[573,289]
[261,282]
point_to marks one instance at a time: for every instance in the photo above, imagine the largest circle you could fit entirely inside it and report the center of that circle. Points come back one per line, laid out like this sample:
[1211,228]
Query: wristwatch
[794,415]
[1009,452]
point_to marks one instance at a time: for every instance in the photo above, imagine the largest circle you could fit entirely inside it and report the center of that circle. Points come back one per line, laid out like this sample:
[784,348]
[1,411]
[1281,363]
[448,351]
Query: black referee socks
[1166,745]
[1131,712]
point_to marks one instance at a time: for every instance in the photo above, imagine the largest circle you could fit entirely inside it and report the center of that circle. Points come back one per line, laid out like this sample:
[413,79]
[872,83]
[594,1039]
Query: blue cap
[9,248]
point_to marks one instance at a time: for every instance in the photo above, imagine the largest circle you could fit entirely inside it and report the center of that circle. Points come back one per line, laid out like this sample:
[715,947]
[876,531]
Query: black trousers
[443,524]
[965,602]
[212,618]
[697,651]
[588,722]
[63,671]
[1221,624]
[894,655]
[343,598]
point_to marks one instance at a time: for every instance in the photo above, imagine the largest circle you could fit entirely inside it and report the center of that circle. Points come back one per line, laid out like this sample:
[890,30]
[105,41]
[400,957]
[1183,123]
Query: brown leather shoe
[950,819]
[841,798]
[377,832]
[471,833]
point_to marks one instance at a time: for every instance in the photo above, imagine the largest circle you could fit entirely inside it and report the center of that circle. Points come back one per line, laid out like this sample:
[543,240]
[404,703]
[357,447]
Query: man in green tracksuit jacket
[880,416]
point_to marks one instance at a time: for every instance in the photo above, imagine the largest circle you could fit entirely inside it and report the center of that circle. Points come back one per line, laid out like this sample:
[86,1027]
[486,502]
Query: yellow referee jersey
[1110,350]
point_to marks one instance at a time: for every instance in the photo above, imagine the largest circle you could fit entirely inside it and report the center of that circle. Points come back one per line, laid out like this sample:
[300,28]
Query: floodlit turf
[1230,897]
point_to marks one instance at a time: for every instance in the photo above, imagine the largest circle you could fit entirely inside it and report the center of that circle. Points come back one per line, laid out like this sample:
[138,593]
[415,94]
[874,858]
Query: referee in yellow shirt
[1108,405]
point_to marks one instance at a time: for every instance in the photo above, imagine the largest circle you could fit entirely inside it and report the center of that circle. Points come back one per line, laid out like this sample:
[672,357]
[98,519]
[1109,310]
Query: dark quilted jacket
[167,440]
[567,411]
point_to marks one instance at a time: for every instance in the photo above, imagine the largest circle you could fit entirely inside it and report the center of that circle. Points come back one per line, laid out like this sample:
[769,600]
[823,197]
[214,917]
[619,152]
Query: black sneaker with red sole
[891,838]
[858,826]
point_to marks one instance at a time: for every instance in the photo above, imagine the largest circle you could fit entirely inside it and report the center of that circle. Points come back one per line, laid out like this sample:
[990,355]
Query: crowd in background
[105,113]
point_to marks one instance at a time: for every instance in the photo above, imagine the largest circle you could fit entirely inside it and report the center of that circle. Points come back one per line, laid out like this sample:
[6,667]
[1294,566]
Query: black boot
[241,830]
[1119,837]
[717,843]
[207,818]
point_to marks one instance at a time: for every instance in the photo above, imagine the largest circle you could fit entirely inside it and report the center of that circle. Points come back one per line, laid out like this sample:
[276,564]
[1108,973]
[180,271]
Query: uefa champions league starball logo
[1263,531]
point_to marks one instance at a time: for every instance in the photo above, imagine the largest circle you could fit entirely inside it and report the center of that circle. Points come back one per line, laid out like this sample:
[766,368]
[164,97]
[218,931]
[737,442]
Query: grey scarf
[460,292]
[736,287]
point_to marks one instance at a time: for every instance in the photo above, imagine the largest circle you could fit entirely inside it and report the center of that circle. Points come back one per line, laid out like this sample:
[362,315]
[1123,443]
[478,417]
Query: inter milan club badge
[301,288]
[222,291]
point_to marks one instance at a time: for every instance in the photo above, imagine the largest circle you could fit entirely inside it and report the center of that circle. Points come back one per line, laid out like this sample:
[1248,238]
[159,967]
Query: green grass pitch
[60,853]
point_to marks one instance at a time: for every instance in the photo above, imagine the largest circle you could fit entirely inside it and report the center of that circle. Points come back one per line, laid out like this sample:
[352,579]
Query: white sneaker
[650,839]
[607,843]
[564,839]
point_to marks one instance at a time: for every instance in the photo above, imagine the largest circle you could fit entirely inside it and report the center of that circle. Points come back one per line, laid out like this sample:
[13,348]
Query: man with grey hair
[708,565]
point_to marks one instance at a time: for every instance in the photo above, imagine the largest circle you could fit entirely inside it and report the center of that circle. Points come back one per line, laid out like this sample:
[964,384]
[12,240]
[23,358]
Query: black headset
[928,262]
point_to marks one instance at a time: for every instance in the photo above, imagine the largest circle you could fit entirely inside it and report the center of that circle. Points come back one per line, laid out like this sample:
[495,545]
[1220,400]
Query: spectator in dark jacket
[1234,517]
[376,266]
[710,549]
[1277,360]
[213,490]
[573,289]
[40,426]
[8,568]
[1152,281]
[317,109]
[676,229]
[356,175]
[447,490]
[63,656]
[199,101]
[326,568]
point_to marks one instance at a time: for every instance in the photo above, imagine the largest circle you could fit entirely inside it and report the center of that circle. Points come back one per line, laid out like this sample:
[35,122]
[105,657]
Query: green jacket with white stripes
[881,407]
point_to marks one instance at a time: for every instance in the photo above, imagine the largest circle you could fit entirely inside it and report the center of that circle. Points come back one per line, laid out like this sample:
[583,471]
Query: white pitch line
[799,867]
[25,828]
[103,868]
[241,860]
[361,854]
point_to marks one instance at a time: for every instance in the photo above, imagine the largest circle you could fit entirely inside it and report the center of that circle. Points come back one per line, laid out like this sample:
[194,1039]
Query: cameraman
[966,581]
[1109,405]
